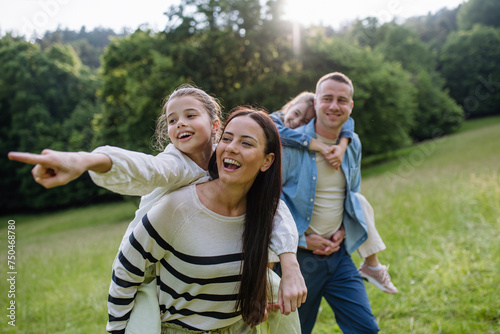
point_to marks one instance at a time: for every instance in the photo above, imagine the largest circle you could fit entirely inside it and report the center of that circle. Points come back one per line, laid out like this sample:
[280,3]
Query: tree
[470,63]
[39,92]
[434,28]
[401,44]
[235,63]
[485,12]
[88,45]
[192,16]
[365,32]
[257,66]
[438,114]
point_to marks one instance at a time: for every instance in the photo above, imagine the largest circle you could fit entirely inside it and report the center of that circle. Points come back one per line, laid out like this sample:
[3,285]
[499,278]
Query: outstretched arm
[121,171]
[138,174]
[55,168]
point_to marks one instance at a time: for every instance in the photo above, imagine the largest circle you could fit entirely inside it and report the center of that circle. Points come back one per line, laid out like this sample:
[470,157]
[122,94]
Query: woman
[210,241]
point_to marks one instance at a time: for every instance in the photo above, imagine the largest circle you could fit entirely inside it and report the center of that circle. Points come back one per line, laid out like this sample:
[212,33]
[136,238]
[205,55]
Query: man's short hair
[336,76]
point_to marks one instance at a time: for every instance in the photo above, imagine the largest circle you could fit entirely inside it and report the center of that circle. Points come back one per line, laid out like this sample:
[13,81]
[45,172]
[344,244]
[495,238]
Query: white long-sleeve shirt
[139,174]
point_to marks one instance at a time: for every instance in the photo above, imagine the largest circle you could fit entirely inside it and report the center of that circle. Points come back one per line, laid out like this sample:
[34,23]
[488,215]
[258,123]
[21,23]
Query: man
[326,209]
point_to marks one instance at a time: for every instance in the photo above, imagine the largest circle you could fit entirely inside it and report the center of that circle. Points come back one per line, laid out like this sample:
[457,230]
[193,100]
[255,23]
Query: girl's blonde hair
[211,104]
[304,97]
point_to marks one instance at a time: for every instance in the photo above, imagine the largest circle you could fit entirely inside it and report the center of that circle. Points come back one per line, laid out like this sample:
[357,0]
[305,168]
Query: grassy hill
[437,207]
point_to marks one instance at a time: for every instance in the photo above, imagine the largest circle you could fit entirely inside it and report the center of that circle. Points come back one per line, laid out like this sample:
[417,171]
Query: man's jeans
[336,278]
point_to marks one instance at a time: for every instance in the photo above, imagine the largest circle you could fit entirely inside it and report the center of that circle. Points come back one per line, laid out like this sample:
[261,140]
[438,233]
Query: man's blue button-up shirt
[299,188]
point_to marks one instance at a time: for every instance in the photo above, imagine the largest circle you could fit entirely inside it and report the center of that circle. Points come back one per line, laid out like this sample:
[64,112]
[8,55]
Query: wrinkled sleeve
[290,137]
[284,237]
[356,183]
[138,174]
[347,129]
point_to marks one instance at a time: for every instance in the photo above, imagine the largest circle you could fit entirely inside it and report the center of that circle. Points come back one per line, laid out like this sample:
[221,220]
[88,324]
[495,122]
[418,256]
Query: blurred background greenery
[74,90]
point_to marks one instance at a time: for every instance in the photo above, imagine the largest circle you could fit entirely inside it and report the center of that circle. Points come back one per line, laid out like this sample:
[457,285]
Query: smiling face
[189,126]
[241,151]
[333,105]
[299,114]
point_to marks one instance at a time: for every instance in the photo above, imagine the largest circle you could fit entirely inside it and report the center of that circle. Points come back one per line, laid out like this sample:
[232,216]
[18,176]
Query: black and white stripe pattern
[198,285]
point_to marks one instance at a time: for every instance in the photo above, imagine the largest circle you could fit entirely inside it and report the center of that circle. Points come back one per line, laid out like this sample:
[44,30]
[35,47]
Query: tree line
[413,81]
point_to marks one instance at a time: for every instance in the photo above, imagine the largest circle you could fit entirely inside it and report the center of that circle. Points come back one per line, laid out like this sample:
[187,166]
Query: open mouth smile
[184,136]
[231,164]
[333,116]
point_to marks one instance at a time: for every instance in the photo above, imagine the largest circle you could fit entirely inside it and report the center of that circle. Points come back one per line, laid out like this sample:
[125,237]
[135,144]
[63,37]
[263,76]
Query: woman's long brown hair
[262,203]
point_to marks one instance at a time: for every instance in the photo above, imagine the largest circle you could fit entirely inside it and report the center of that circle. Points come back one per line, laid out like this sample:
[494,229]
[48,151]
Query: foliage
[244,53]
[226,61]
[365,32]
[238,55]
[401,44]
[470,63]
[47,100]
[88,45]
[484,12]
[193,16]
[434,28]
[438,114]
[250,71]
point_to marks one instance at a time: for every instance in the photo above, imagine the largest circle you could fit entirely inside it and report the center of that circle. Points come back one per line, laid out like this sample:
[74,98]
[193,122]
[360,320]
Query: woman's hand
[292,290]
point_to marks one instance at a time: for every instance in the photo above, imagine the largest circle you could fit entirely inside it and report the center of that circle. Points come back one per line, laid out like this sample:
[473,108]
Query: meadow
[437,207]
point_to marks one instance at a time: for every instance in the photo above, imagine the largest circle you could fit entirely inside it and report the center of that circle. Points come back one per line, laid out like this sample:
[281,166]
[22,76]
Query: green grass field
[437,207]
